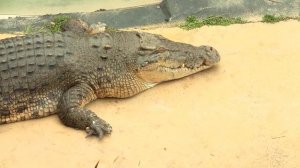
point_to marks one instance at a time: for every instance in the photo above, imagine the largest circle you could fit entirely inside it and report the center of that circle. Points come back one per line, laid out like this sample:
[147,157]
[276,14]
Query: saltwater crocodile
[47,73]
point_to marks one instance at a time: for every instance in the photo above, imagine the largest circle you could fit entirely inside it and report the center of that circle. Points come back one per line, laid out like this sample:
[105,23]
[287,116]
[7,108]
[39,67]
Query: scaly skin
[60,73]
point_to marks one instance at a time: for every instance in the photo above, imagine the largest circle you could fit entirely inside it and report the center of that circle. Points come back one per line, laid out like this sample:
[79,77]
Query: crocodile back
[29,62]
[32,74]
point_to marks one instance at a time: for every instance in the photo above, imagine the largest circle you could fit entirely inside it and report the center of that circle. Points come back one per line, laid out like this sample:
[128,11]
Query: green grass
[54,26]
[192,22]
[33,30]
[223,21]
[273,19]
[57,23]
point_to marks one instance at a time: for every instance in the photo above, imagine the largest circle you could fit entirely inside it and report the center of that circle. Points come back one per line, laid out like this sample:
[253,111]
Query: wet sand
[242,113]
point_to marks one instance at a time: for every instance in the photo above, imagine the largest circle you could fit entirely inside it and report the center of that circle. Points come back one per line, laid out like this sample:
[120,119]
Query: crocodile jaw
[165,73]
[164,66]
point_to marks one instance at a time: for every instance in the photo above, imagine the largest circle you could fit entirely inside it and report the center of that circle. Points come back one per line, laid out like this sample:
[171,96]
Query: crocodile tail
[7,117]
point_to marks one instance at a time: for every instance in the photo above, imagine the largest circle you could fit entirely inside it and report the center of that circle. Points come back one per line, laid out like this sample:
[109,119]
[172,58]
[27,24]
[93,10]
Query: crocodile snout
[211,56]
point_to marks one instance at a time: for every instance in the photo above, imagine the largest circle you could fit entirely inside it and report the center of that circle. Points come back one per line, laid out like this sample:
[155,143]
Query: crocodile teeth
[182,66]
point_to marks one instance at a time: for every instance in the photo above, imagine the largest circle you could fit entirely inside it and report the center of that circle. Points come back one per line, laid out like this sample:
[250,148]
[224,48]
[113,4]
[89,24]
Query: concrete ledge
[179,9]
[121,18]
[166,11]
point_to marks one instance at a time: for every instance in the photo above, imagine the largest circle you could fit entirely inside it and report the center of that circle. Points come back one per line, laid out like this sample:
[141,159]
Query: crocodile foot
[99,128]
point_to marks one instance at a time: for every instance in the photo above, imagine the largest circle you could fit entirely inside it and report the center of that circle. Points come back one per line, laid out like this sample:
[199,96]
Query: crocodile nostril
[211,49]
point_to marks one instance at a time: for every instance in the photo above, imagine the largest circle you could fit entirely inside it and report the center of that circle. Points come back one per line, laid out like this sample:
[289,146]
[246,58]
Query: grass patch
[54,26]
[33,30]
[273,19]
[193,22]
[57,23]
[223,21]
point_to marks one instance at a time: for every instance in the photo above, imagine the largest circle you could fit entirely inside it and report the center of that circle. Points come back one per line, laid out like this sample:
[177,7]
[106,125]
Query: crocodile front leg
[73,114]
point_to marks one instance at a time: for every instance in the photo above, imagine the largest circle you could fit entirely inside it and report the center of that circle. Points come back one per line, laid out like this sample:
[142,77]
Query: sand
[242,113]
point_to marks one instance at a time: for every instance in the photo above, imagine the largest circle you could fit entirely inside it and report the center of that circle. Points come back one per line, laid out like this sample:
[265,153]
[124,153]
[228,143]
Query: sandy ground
[242,113]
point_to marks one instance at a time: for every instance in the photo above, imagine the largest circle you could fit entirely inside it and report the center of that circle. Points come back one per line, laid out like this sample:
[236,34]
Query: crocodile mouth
[183,69]
[160,73]
[170,65]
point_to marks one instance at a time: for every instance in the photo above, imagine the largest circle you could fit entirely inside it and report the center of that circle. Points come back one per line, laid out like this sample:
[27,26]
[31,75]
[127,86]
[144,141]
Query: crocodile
[59,73]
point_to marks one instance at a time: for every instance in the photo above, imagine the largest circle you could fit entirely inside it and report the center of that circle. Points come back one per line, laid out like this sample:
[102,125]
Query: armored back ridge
[60,73]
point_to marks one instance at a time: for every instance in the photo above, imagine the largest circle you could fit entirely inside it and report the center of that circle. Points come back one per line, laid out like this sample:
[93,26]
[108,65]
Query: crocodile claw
[98,128]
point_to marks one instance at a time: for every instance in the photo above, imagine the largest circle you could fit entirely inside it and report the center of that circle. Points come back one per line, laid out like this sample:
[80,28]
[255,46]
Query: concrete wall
[166,11]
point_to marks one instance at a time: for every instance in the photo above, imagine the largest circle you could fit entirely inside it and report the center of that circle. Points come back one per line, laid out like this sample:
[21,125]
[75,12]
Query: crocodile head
[142,60]
[162,60]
